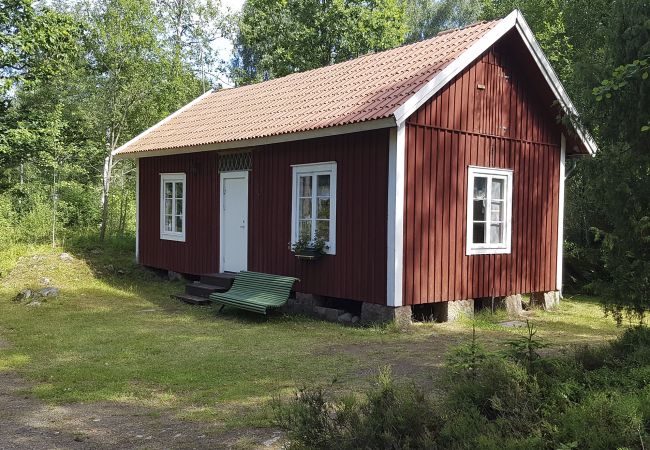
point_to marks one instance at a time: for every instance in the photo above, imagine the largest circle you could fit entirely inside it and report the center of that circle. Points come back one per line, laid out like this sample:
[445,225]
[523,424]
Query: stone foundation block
[547,300]
[303,304]
[372,313]
[457,309]
[512,303]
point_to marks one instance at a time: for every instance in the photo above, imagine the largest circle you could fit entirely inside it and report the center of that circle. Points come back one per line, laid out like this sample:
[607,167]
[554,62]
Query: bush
[392,415]
[593,399]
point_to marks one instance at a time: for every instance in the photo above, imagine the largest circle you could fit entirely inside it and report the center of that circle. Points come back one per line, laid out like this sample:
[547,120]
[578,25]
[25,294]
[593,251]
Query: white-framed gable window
[489,210]
[313,212]
[172,206]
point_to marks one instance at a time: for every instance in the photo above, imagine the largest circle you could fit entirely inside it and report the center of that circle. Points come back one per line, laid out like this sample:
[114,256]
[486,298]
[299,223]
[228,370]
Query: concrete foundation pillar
[547,300]
[454,310]
[372,313]
[303,304]
[512,303]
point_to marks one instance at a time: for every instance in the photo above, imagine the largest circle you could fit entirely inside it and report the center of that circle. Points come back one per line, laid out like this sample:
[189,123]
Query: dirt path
[27,423]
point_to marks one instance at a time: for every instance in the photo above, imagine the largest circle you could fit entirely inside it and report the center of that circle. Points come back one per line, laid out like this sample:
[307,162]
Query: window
[172,206]
[314,204]
[489,213]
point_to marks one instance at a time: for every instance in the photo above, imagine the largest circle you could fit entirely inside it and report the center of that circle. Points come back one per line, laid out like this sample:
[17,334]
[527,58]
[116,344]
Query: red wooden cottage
[433,171]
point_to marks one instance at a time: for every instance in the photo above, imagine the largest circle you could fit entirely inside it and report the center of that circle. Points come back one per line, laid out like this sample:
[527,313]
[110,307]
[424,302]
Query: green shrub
[592,399]
[605,420]
[392,416]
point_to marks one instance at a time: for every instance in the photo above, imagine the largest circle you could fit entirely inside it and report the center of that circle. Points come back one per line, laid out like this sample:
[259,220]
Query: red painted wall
[358,270]
[506,125]
[200,251]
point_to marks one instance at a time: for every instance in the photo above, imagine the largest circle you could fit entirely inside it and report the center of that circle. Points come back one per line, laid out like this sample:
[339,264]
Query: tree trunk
[106,186]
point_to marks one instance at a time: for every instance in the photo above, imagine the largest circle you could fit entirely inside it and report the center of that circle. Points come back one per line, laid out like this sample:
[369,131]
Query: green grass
[119,337]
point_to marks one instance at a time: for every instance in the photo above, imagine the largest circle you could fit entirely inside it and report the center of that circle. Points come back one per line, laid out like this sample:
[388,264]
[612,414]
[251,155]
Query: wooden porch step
[200,289]
[218,279]
[192,299]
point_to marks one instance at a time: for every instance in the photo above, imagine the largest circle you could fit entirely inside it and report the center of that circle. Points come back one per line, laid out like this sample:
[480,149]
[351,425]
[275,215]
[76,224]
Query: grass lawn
[113,334]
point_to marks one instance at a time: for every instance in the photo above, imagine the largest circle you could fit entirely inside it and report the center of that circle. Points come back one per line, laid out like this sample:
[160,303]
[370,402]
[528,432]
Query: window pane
[479,210]
[179,206]
[479,233]
[304,230]
[168,206]
[496,213]
[179,224]
[323,208]
[168,223]
[480,187]
[323,185]
[169,190]
[179,190]
[305,208]
[498,188]
[323,229]
[305,186]
[496,233]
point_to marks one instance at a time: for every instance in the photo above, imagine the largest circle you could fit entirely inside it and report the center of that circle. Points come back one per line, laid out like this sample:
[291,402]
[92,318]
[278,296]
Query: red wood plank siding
[200,251]
[505,125]
[358,270]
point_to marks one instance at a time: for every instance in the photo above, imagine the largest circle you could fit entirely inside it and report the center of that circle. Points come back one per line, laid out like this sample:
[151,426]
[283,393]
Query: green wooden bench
[256,292]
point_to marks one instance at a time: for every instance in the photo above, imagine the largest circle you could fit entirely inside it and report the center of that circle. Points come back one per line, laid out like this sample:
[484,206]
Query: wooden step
[218,279]
[202,289]
[192,299]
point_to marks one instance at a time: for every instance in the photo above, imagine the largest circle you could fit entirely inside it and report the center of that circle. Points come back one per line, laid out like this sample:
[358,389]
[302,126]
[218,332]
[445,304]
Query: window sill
[488,251]
[173,237]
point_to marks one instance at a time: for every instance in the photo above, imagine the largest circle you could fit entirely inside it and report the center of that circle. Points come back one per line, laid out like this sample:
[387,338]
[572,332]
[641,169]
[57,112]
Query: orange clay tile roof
[366,88]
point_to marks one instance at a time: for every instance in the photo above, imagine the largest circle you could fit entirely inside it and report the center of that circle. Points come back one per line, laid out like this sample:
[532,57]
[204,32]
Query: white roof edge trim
[163,121]
[513,20]
[454,68]
[356,127]
[552,79]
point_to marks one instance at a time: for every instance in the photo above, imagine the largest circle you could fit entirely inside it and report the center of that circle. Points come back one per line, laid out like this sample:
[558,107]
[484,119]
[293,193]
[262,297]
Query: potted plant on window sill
[309,250]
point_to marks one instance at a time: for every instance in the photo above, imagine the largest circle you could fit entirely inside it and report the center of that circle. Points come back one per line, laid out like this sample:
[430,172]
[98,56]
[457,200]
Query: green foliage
[594,399]
[280,37]
[425,18]
[392,415]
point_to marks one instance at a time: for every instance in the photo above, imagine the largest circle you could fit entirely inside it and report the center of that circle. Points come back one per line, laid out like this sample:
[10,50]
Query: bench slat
[256,292]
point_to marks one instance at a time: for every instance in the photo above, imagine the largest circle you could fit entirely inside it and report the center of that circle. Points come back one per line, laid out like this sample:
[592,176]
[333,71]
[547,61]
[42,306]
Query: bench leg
[221,308]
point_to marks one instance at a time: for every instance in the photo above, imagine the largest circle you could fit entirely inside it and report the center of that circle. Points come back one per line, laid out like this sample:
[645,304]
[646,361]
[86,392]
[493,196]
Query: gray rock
[345,318]
[121,272]
[65,257]
[44,280]
[355,319]
[49,292]
[23,295]
[34,304]
[109,267]
[513,324]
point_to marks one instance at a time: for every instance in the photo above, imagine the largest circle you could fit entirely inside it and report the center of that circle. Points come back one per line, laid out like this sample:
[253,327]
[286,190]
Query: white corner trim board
[514,20]
[137,211]
[560,216]
[395,247]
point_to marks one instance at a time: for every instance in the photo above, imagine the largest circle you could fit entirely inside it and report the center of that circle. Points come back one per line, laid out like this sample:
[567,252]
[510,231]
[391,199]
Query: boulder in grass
[65,257]
[49,292]
[25,294]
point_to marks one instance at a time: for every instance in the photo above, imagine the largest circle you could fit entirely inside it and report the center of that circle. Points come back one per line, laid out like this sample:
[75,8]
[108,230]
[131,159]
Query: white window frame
[172,178]
[488,248]
[323,168]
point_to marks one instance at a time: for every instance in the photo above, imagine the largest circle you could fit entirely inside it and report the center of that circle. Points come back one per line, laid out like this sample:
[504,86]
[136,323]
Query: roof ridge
[360,57]
[451,30]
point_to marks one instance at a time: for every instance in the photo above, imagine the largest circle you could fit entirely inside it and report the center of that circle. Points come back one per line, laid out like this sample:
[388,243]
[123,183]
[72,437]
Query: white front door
[234,221]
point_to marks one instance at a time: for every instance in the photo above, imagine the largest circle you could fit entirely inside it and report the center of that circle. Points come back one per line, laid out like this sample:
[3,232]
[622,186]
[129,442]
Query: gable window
[172,206]
[489,210]
[313,214]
